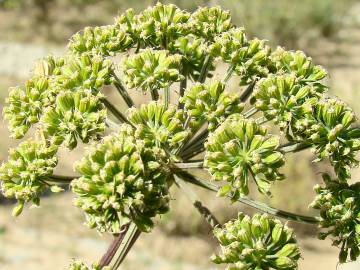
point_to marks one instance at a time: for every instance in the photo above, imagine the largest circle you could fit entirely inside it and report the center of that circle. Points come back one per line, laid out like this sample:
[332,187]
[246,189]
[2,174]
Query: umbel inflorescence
[194,118]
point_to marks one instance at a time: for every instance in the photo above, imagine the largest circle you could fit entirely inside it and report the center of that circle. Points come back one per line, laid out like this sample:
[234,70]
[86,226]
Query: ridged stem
[119,115]
[122,91]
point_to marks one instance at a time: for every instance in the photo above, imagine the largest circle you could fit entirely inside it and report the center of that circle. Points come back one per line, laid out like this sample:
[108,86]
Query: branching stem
[122,90]
[119,115]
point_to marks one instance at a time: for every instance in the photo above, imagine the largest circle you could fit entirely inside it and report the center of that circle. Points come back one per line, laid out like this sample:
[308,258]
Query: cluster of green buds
[339,205]
[240,149]
[151,70]
[249,59]
[210,102]
[159,125]
[76,115]
[105,41]
[84,73]
[125,177]
[25,173]
[79,265]
[259,243]
[122,180]
[281,98]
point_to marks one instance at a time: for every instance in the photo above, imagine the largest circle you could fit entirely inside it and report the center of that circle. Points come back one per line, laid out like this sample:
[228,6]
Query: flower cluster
[281,98]
[259,242]
[78,115]
[210,102]
[84,73]
[23,176]
[151,70]
[79,265]
[299,64]
[249,59]
[159,125]
[104,40]
[330,129]
[339,205]
[122,180]
[208,22]
[239,149]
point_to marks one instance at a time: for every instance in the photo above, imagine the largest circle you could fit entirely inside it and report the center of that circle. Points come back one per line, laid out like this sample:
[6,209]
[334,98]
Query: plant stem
[193,152]
[114,246]
[294,147]
[250,112]
[203,210]
[62,179]
[183,84]
[119,115]
[205,69]
[154,94]
[257,205]
[199,139]
[229,73]
[248,91]
[189,165]
[122,90]
[129,240]
[167,96]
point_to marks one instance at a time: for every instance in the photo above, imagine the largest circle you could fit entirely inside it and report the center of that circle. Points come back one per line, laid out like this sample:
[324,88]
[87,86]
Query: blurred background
[47,237]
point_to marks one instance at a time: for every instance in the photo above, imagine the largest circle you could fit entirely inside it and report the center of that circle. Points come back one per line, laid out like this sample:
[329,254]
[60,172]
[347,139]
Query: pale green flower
[257,243]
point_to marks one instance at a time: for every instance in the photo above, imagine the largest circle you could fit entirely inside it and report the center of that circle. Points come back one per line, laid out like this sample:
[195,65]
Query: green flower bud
[246,244]
[105,40]
[210,102]
[208,22]
[23,177]
[84,72]
[243,150]
[119,182]
[78,115]
[151,70]
[158,125]
[300,65]
[78,265]
[339,205]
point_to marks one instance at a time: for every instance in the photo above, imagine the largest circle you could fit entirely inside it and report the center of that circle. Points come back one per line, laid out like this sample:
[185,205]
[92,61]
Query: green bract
[78,115]
[122,180]
[24,175]
[151,70]
[257,243]
[210,102]
[160,126]
[339,205]
[239,149]
[281,98]
[105,41]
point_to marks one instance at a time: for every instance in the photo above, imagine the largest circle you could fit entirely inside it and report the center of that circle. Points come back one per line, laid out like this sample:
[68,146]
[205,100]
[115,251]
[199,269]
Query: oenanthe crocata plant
[193,120]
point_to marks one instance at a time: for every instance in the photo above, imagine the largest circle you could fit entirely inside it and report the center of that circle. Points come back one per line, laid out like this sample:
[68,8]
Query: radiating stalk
[183,84]
[257,205]
[205,69]
[203,210]
[167,96]
[248,91]
[229,74]
[154,94]
[250,112]
[190,165]
[62,179]
[294,147]
[119,115]
[122,91]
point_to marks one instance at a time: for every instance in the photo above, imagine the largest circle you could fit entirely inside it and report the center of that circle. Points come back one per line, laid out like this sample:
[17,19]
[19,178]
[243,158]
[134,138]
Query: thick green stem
[61,179]
[190,165]
[154,94]
[203,210]
[183,84]
[229,74]
[119,115]
[205,69]
[123,92]
[127,242]
[195,151]
[250,112]
[257,205]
